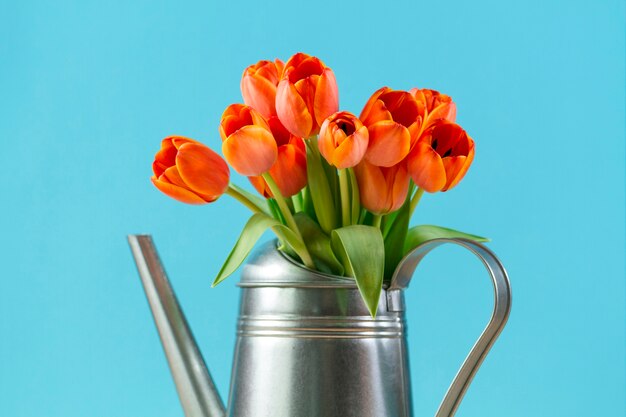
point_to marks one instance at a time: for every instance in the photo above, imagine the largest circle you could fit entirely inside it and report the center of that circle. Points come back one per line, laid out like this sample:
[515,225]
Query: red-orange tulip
[393,120]
[247,142]
[382,190]
[343,140]
[306,95]
[258,86]
[437,106]
[189,171]
[289,170]
[441,157]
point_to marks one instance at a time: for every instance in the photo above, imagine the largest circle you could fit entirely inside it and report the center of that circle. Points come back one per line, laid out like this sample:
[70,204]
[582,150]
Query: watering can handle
[502,307]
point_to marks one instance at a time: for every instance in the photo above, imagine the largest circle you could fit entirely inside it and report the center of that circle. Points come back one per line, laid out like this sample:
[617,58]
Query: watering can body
[306,344]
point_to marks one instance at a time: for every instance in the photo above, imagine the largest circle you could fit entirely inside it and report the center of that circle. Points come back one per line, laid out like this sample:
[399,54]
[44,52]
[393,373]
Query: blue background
[89,88]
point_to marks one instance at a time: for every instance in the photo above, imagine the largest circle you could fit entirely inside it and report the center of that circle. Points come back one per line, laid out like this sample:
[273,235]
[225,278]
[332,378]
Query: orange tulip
[247,141]
[437,106]
[343,140]
[441,157]
[306,95]
[189,171]
[289,170]
[382,190]
[258,86]
[393,120]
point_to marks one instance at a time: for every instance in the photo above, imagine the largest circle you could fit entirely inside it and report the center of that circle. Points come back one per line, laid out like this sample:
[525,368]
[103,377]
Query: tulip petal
[259,93]
[251,150]
[172,176]
[326,142]
[179,141]
[177,192]
[280,133]
[203,170]
[306,90]
[453,166]
[372,109]
[260,185]
[398,183]
[458,176]
[426,168]
[289,170]
[443,112]
[326,96]
[389,143]
[377,113]
[402,106]
[372,187]
[164,158]
[292,110]
[352,150]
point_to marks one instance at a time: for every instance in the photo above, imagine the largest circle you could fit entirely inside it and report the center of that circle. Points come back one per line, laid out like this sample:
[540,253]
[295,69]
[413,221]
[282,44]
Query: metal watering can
[306,344]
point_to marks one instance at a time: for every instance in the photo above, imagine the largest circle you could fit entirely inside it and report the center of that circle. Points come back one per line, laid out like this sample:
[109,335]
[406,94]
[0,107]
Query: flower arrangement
[337,190]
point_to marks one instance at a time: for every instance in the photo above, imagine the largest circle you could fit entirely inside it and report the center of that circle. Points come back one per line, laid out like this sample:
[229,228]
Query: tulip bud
[393,120]
[343,140]
[441,157]
[382,190]
[437,106]
[306,95]
[247,142]
[289,170]
[258,86]
[189,171]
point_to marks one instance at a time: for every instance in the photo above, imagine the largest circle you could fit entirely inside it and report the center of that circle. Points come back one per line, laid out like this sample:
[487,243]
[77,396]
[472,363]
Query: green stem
[376,220]
[416,199]
[233,192]
[291,223]
[289,203]
[297,203]
[345,197]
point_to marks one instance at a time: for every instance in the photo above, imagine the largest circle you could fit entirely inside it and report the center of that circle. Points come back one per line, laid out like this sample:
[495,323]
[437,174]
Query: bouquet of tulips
[337,190]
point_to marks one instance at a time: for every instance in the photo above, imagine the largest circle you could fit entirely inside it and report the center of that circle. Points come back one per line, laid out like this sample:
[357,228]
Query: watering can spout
[196,390]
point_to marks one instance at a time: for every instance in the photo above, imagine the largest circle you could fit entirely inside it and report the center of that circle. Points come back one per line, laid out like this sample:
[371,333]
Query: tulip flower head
[306,95]
[247,141]
[382,190]
[343,140]
[393,120]
[441,157]
[289,170]
[258,86]
[189,171]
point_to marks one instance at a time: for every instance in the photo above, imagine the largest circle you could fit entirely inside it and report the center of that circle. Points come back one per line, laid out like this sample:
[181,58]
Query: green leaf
[252,231]
[362,252]
[318,244]
[275,210]
[395,237]
[333,178]
[319,189]
[259,201]
[420,234]
[307,203]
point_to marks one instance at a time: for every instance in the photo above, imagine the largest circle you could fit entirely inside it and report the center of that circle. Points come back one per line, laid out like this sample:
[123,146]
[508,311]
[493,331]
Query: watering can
[306,344]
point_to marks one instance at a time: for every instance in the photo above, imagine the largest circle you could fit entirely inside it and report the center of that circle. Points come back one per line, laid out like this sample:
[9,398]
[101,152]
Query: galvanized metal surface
[306,344]
[499,317]
[194,384]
